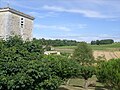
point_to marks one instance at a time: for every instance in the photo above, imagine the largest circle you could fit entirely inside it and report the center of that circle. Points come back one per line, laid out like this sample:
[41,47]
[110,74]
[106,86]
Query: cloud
[84,12]
[105,9]
[21,4]
[43,15]
[78,26]
[66,28]
[52,27]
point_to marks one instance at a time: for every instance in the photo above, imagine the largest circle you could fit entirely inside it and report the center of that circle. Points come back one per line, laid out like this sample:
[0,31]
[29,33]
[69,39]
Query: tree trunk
[86,84]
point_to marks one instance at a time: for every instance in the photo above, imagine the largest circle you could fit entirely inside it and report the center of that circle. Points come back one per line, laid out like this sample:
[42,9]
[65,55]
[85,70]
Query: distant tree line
[100,42]
[57,42]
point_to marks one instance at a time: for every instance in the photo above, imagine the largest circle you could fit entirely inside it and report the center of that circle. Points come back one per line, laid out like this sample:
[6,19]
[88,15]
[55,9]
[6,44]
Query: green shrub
[63,67]
[109,73]
[23,67]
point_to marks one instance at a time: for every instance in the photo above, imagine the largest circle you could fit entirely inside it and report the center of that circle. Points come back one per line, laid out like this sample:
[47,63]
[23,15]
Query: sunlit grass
[108,47]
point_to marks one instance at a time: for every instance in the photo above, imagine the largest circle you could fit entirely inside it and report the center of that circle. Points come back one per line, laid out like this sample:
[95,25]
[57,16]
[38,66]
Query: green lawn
[108,47]
[115,46]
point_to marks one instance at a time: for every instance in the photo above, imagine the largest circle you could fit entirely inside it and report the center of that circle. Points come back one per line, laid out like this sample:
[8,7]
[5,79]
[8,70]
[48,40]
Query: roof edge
[16,12]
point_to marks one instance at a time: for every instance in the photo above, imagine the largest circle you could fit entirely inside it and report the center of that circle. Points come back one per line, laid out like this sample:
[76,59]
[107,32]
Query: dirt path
[63,87]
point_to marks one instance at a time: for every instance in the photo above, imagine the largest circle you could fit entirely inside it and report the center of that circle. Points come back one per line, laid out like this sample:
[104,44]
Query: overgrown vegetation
[24,67]
[108,73]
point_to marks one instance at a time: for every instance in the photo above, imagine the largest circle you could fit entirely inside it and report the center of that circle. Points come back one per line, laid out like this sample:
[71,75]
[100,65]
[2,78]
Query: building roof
[8,9]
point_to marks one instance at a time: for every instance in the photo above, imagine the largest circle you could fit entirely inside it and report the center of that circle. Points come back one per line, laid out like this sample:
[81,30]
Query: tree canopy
[108,73]
[57,42]
[83,54]
[101,42]
[24,67]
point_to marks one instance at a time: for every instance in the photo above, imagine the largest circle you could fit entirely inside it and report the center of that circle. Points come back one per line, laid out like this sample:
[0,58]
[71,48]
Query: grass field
[108,47]
[109,51]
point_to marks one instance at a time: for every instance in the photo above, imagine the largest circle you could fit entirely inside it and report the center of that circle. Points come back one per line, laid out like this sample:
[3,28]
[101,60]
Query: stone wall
[3,24]
[10,25]
[28,29]
[16,29]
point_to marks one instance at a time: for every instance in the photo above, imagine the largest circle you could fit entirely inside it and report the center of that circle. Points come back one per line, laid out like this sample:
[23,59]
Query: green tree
[108,73]
[97,42]
[101,42]
[84,56]
[93,42]
[63,67]
[23,66]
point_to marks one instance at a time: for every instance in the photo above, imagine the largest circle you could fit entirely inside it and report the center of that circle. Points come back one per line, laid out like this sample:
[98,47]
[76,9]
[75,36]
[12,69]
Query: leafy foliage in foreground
[109,73]
[23,66]
[64,67]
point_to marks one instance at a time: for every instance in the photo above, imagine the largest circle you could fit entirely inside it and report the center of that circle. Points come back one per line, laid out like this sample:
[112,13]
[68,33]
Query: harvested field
[107,54]
[108,51]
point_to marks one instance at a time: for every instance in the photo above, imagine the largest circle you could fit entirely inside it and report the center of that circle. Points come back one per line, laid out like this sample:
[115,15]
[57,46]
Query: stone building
[13,22]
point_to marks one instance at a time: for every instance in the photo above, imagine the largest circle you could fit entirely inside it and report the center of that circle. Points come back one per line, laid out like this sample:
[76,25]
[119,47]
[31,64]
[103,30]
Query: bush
[31,75]
[109,73]
[63,67]
[35,74]
[83,54]
[23,67]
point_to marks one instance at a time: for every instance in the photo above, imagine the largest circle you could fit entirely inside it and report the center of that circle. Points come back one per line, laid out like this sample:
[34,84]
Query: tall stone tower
[13,22]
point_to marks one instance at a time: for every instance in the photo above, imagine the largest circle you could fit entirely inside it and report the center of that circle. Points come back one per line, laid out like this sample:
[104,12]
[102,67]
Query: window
[21,22]
[21,18]
[21,25]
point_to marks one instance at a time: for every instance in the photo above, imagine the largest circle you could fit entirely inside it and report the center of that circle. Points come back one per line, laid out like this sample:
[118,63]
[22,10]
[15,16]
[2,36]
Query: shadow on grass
[77,86]
[99,88]
[62,88]
[95,87]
